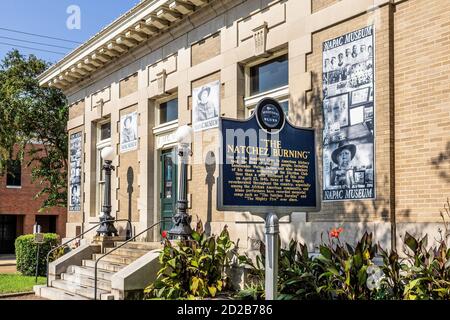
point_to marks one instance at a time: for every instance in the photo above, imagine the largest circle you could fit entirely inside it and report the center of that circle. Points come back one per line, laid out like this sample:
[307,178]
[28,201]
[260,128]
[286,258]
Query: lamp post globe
[107,225]
[181,221]
[107,154]
[184,134]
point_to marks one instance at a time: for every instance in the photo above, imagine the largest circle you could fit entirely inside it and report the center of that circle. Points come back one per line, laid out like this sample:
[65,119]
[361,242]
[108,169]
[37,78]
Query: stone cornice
[147,20]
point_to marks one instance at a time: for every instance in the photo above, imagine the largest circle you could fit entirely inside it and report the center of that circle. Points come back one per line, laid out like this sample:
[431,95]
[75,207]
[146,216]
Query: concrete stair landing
[77,282]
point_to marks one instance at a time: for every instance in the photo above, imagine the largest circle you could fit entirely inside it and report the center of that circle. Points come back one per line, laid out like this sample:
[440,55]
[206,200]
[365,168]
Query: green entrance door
[168,188]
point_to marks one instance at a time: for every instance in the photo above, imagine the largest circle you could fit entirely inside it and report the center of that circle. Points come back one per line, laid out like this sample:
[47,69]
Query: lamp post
[107,227]
[181,228]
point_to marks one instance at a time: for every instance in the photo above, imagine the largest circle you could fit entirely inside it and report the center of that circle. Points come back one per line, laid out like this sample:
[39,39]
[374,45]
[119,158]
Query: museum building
[370,76]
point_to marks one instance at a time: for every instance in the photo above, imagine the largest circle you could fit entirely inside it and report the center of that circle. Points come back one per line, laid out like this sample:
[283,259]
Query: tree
[33,122]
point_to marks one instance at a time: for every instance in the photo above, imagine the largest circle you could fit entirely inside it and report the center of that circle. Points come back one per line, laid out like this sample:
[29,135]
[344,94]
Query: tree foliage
[33,122]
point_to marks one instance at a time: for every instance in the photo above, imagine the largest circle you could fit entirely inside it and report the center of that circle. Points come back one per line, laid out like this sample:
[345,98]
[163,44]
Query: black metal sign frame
[272,121]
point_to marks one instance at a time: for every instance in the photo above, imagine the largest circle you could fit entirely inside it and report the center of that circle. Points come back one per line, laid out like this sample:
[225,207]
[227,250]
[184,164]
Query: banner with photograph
[348,109]
[75,172]
[128,132]
[206,106]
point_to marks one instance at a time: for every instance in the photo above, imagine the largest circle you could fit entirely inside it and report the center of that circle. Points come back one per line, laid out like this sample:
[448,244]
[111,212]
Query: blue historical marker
[267,164]
[268,167]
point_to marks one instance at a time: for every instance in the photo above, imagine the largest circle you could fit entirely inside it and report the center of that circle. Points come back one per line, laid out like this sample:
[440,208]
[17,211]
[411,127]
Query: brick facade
[412,165]
[20,202]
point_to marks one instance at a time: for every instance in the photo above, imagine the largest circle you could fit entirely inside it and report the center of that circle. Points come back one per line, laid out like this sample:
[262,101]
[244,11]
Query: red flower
[164,234]
[334,233]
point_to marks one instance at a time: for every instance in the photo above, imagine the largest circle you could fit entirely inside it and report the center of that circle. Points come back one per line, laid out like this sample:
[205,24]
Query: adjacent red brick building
[18,209]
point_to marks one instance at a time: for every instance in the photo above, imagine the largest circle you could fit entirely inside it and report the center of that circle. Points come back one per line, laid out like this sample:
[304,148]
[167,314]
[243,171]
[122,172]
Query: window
[14,173]
[105,131]
[104,140]
[168,111]
[269,75]
[268,78]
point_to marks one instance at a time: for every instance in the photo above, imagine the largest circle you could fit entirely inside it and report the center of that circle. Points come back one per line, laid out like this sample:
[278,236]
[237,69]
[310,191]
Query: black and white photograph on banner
[75,172]
[348,112]
[128,132]
[206,106]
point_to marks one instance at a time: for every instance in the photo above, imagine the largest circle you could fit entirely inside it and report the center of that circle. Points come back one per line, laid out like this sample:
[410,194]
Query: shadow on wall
[442,164]
[210,166]
[130,189]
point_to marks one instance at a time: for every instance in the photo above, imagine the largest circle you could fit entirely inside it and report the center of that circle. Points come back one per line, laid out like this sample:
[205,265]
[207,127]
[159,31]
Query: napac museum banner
[348,111]
[75,172]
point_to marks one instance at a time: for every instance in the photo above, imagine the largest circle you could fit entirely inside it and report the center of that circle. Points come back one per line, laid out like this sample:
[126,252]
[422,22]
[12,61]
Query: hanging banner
[75,172]
[349,116]
[267,164]
[128,132]
[206,106]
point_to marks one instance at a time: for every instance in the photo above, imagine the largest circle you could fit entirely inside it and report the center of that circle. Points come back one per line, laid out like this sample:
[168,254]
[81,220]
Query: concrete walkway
[7,263]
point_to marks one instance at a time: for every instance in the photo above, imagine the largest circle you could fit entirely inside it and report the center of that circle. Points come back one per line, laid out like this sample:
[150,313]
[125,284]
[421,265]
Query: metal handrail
[82,234]
[114,249]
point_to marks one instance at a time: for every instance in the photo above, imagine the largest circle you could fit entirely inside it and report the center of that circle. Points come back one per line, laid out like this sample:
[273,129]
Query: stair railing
[82,234]
[114,249]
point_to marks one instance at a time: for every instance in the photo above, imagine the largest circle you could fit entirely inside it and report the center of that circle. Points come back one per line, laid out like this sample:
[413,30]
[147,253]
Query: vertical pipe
[272,232]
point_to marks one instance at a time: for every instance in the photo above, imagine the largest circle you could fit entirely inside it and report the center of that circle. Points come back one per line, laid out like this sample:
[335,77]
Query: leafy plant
[428,276]
[253,291]
[345,268]
[394,269]
[195,268]
[26,251]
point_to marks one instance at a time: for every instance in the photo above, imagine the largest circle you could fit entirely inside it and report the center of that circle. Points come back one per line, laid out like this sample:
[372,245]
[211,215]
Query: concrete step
[128,252]
[142,245]
[58,294]
[104,265]
[114,259]
[86,281]
[89,272]
[86,292]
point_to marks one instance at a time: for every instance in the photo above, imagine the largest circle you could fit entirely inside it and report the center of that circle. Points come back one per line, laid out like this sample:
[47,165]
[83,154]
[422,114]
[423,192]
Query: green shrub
[26,251]
[344,272]
[195,268]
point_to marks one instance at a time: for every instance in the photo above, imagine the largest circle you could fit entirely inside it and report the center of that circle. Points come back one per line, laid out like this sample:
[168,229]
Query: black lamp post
[181,228]
[107,227]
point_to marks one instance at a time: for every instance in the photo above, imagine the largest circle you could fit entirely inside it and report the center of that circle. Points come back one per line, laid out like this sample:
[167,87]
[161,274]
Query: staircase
[77,283]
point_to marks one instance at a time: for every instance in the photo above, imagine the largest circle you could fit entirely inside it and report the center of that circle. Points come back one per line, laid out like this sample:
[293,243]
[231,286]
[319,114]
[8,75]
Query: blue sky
[49,17]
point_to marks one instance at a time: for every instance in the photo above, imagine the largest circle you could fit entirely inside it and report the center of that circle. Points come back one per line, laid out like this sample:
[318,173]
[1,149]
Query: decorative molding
[161,78]
[260,40]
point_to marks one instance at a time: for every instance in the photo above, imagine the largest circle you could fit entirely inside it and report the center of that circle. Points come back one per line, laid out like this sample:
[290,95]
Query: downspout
[393,220]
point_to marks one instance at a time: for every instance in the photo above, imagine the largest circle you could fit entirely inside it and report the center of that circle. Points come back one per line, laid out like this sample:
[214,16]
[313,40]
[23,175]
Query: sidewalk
[7,263]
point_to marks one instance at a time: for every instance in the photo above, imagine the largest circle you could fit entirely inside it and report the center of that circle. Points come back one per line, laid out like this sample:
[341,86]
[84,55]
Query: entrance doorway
[168,195]
[8,225]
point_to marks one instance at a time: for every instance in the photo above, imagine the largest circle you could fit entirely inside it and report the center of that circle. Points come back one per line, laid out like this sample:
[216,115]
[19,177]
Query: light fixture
[107,154]
[184,134]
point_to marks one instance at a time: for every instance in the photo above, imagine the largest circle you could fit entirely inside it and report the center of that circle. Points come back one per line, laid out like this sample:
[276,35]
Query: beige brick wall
[205,49]
[127,160]
[128,85]
[317,5]
[358,210]
[204,198]
[419,49]
[422,108]
[76,109]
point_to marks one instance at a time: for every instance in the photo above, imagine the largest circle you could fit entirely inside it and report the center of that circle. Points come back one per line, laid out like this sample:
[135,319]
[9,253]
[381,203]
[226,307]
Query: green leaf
[212,291]
[196,236]
[172,263]
[194,285]
[411,242]
[325,251]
